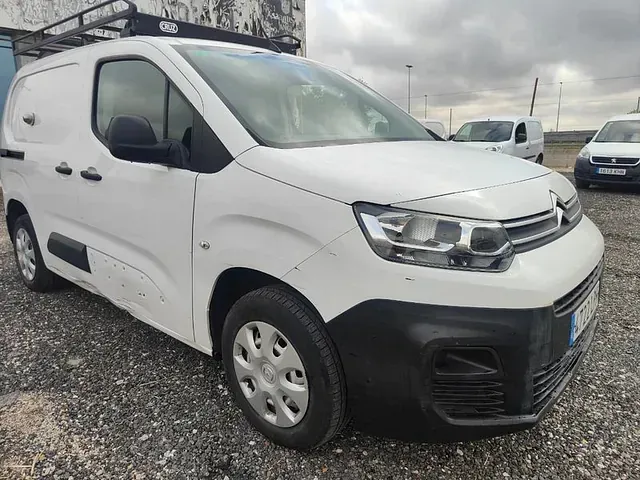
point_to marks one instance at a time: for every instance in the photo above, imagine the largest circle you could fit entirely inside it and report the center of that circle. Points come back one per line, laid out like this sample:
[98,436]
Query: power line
[467,92]
[629,100]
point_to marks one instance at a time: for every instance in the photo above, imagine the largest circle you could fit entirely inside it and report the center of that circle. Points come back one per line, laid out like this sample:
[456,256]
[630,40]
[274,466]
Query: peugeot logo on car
[168,27]
[614,160]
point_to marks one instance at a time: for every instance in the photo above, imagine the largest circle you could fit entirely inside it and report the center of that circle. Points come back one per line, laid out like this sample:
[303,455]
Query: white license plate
[583,315]
[611,171]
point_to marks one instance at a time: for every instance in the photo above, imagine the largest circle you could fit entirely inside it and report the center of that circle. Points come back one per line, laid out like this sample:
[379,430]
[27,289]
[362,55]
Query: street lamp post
[425,106]
[559,102]
[409,67]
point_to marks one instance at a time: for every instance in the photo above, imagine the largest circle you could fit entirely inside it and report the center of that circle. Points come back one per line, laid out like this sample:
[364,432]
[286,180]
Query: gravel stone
[82,383]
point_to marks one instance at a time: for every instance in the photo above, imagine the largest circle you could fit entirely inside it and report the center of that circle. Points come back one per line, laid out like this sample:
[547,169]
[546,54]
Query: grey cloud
[462,45]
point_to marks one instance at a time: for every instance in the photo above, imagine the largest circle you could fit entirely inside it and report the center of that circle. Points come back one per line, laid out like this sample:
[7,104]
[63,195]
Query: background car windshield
[484,132]
[625,131]
[286,101]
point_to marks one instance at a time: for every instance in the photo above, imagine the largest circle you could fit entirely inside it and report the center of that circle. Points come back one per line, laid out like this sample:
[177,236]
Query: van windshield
[623,131]
[286,101]
[484,132]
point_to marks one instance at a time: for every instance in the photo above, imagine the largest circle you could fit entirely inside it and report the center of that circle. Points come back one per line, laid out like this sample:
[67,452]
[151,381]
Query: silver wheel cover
[271,374]
[26,255]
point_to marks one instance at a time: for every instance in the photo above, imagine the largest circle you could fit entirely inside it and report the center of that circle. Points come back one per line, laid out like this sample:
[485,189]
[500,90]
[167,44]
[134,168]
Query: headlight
[435,240]
[495,148]
[584,154]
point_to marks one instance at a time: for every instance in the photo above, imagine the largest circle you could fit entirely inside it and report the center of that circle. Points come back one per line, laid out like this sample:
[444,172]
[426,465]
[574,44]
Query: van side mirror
[132,138]
[451,137]
[521,137]
[588,139]
[382,129]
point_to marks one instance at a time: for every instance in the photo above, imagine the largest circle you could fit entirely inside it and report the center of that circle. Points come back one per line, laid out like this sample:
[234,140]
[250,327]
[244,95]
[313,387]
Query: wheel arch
[15,209]
[230,286]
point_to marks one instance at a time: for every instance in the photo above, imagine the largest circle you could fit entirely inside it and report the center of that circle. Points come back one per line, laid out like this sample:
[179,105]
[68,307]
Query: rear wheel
[35,275]
[582,184]
[539,159]
[283,368]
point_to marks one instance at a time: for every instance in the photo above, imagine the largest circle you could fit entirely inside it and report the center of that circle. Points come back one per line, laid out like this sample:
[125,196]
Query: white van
[436,126]
[516,136]
[612,156]
[270,210]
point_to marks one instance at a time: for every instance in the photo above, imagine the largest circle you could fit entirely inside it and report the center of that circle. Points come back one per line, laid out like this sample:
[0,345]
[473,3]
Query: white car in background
[612,156]
[517,136]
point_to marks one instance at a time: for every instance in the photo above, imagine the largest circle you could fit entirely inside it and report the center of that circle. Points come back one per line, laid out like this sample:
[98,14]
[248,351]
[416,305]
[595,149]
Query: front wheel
[539,159]
[582,184]
[283,369]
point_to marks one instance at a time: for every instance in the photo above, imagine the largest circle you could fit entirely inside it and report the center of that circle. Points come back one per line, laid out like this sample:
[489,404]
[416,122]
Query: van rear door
[536,138]
[40,129]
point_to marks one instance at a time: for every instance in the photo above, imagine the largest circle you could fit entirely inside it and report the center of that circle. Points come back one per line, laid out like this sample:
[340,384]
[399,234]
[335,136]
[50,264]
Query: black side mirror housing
[521,137]
[132,138]
[382,129]
[451,137]
[588,139]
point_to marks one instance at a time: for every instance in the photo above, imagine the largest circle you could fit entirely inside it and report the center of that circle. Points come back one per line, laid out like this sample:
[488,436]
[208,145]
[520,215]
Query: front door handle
[64,169]
[96,177]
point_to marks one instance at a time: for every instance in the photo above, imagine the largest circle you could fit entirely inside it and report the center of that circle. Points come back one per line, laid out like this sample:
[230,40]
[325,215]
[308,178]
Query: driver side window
[521,133]
[135,87]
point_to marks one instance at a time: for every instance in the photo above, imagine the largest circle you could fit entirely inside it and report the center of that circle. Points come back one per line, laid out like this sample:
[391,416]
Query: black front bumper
[586,171]
[392,354]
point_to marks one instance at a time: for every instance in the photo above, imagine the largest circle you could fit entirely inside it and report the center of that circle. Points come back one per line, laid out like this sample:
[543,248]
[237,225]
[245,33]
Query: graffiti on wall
[257,17]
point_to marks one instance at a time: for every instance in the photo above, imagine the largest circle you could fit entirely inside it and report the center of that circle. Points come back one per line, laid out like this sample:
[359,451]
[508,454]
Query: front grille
[465,399]
[548,378]
[571,300]
[537,230]
[624,161]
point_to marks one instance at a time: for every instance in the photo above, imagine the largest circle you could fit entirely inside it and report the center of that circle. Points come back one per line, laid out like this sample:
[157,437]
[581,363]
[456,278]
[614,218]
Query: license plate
[583,315]
[611,171]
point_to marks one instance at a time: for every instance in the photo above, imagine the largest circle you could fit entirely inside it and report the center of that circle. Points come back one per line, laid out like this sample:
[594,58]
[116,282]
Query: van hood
[611,149]
[389,172]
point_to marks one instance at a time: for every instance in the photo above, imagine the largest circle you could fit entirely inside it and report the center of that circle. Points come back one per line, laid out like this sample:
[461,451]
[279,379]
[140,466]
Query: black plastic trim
[587,172]
[62,170]
[67,249]
[14,154]
[387,349]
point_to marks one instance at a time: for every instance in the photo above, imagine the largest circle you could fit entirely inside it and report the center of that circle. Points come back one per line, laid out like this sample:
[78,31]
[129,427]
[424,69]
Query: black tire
[44,279]
[539,159]
[326,411]
[582,184]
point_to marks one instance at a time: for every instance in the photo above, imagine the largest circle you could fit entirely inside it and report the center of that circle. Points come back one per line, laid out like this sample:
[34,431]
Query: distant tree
[634,111]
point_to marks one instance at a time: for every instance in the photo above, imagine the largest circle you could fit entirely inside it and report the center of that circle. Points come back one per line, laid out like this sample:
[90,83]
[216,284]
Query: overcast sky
[470,45]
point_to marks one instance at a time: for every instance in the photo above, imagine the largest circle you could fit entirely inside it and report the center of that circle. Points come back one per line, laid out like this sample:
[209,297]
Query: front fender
[245,219]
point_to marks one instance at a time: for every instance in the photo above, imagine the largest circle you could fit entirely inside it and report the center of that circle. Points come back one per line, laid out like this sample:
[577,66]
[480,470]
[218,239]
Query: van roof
[505,118]
[68,55]
[630,116]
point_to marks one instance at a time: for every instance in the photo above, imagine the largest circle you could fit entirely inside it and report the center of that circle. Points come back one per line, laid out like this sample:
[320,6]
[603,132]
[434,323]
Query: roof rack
[129,22]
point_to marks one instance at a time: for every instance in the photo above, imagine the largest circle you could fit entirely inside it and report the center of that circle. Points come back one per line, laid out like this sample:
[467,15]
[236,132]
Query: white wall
[275,16]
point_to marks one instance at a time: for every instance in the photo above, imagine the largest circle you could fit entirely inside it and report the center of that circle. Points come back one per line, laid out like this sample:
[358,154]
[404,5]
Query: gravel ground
[88,392]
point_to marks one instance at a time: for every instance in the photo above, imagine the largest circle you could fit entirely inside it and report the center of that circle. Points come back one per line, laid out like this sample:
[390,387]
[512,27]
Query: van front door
[138,217]
[522,146]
